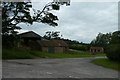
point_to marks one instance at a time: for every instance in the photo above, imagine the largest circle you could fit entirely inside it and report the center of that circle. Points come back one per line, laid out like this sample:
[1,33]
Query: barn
[33,41]
[53,46]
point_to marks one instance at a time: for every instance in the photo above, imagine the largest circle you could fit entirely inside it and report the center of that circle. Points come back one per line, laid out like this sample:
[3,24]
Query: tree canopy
[105,39]
[14,13]
[52,35]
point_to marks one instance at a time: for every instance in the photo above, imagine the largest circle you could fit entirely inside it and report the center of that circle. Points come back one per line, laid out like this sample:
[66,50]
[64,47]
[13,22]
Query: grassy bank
[16,54]
[29,54]
[107,63]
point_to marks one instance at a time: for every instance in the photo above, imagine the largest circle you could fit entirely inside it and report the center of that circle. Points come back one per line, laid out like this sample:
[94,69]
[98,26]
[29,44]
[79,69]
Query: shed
[96,49]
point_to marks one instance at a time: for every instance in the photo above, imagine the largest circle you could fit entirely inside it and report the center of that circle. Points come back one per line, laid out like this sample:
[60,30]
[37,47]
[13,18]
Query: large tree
[14,13]
[113,49]
[105,39]
[101,39]
[115,38]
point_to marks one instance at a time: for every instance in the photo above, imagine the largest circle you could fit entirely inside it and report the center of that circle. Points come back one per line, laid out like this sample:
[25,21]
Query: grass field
[16,54]
[107,63]
[28,54]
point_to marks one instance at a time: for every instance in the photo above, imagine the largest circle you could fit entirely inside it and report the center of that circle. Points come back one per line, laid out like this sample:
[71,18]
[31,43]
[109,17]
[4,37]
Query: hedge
[113,52]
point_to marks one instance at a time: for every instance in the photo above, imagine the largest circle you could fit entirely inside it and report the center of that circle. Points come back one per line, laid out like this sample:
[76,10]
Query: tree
[101,39]
[113,49]
[111,44]
[52,35]
[14,13]
[115,38]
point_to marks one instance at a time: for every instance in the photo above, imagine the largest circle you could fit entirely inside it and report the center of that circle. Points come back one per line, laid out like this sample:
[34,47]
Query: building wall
[55,49]
[45,49]
[59,49]
[97,50]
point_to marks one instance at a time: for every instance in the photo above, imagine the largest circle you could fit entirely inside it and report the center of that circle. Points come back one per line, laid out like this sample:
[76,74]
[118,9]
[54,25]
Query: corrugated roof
[46,43]
[52,43]
[30,34]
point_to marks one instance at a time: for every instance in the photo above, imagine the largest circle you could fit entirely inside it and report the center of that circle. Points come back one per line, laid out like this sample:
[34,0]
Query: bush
[113,52]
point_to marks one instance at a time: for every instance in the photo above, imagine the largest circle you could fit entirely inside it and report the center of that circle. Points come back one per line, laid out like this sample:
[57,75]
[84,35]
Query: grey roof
[43,42]
[52,43]
[29,34]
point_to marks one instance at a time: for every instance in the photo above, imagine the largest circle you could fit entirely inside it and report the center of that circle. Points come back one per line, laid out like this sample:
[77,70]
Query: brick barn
[33,41]
[53,46]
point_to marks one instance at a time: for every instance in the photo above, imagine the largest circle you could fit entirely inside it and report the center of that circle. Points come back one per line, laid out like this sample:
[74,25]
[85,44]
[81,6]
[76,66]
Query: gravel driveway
[55,68]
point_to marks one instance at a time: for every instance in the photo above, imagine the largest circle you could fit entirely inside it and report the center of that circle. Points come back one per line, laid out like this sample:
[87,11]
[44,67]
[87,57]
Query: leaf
[55,7]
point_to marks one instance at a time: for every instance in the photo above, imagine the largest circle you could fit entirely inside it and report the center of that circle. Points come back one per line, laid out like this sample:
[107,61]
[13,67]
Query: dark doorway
[50,49]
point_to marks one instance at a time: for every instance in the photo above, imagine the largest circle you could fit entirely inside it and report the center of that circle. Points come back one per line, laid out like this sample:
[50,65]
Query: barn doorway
[51,50]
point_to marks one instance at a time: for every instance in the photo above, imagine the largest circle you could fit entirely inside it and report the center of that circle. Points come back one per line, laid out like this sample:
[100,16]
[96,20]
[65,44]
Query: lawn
[107,63]
[29,54]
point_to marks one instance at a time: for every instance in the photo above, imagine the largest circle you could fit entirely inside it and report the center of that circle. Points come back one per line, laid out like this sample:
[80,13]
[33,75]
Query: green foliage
[102,40]
[9,41]
[78,47]
[113,49]
[14,13]
[107,63]
[73,44]
[105,39]
[52,35]
[113,52]
[55,7]
[111,43]
[115,39]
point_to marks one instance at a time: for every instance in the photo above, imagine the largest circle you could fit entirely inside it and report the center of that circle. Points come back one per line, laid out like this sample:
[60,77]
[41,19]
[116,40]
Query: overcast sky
[80,21]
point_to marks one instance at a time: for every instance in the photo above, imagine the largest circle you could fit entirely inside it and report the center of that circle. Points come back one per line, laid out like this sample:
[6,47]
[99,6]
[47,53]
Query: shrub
[113,52]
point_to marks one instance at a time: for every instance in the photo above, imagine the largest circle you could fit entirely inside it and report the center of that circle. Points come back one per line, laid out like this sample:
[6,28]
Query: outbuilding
[32,40]
[96,49]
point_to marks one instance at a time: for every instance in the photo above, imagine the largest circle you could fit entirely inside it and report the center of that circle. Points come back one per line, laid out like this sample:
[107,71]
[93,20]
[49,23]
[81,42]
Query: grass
[16,54]
[68,54]
[84,53]
[29,54]
[107,63]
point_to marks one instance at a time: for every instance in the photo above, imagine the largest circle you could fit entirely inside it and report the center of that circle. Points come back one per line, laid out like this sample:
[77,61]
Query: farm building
[53,46]
[33,41]
[28,40]
[96,49]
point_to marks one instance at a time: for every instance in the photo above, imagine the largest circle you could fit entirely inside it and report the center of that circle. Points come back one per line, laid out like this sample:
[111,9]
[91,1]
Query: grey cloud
[82,20]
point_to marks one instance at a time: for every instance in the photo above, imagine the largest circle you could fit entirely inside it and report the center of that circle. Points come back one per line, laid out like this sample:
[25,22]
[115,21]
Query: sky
[81,21]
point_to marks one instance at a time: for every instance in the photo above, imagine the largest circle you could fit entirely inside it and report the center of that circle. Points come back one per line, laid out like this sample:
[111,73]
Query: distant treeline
[74,44]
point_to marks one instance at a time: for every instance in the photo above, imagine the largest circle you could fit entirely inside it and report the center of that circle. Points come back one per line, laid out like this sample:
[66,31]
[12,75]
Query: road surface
[55,68]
